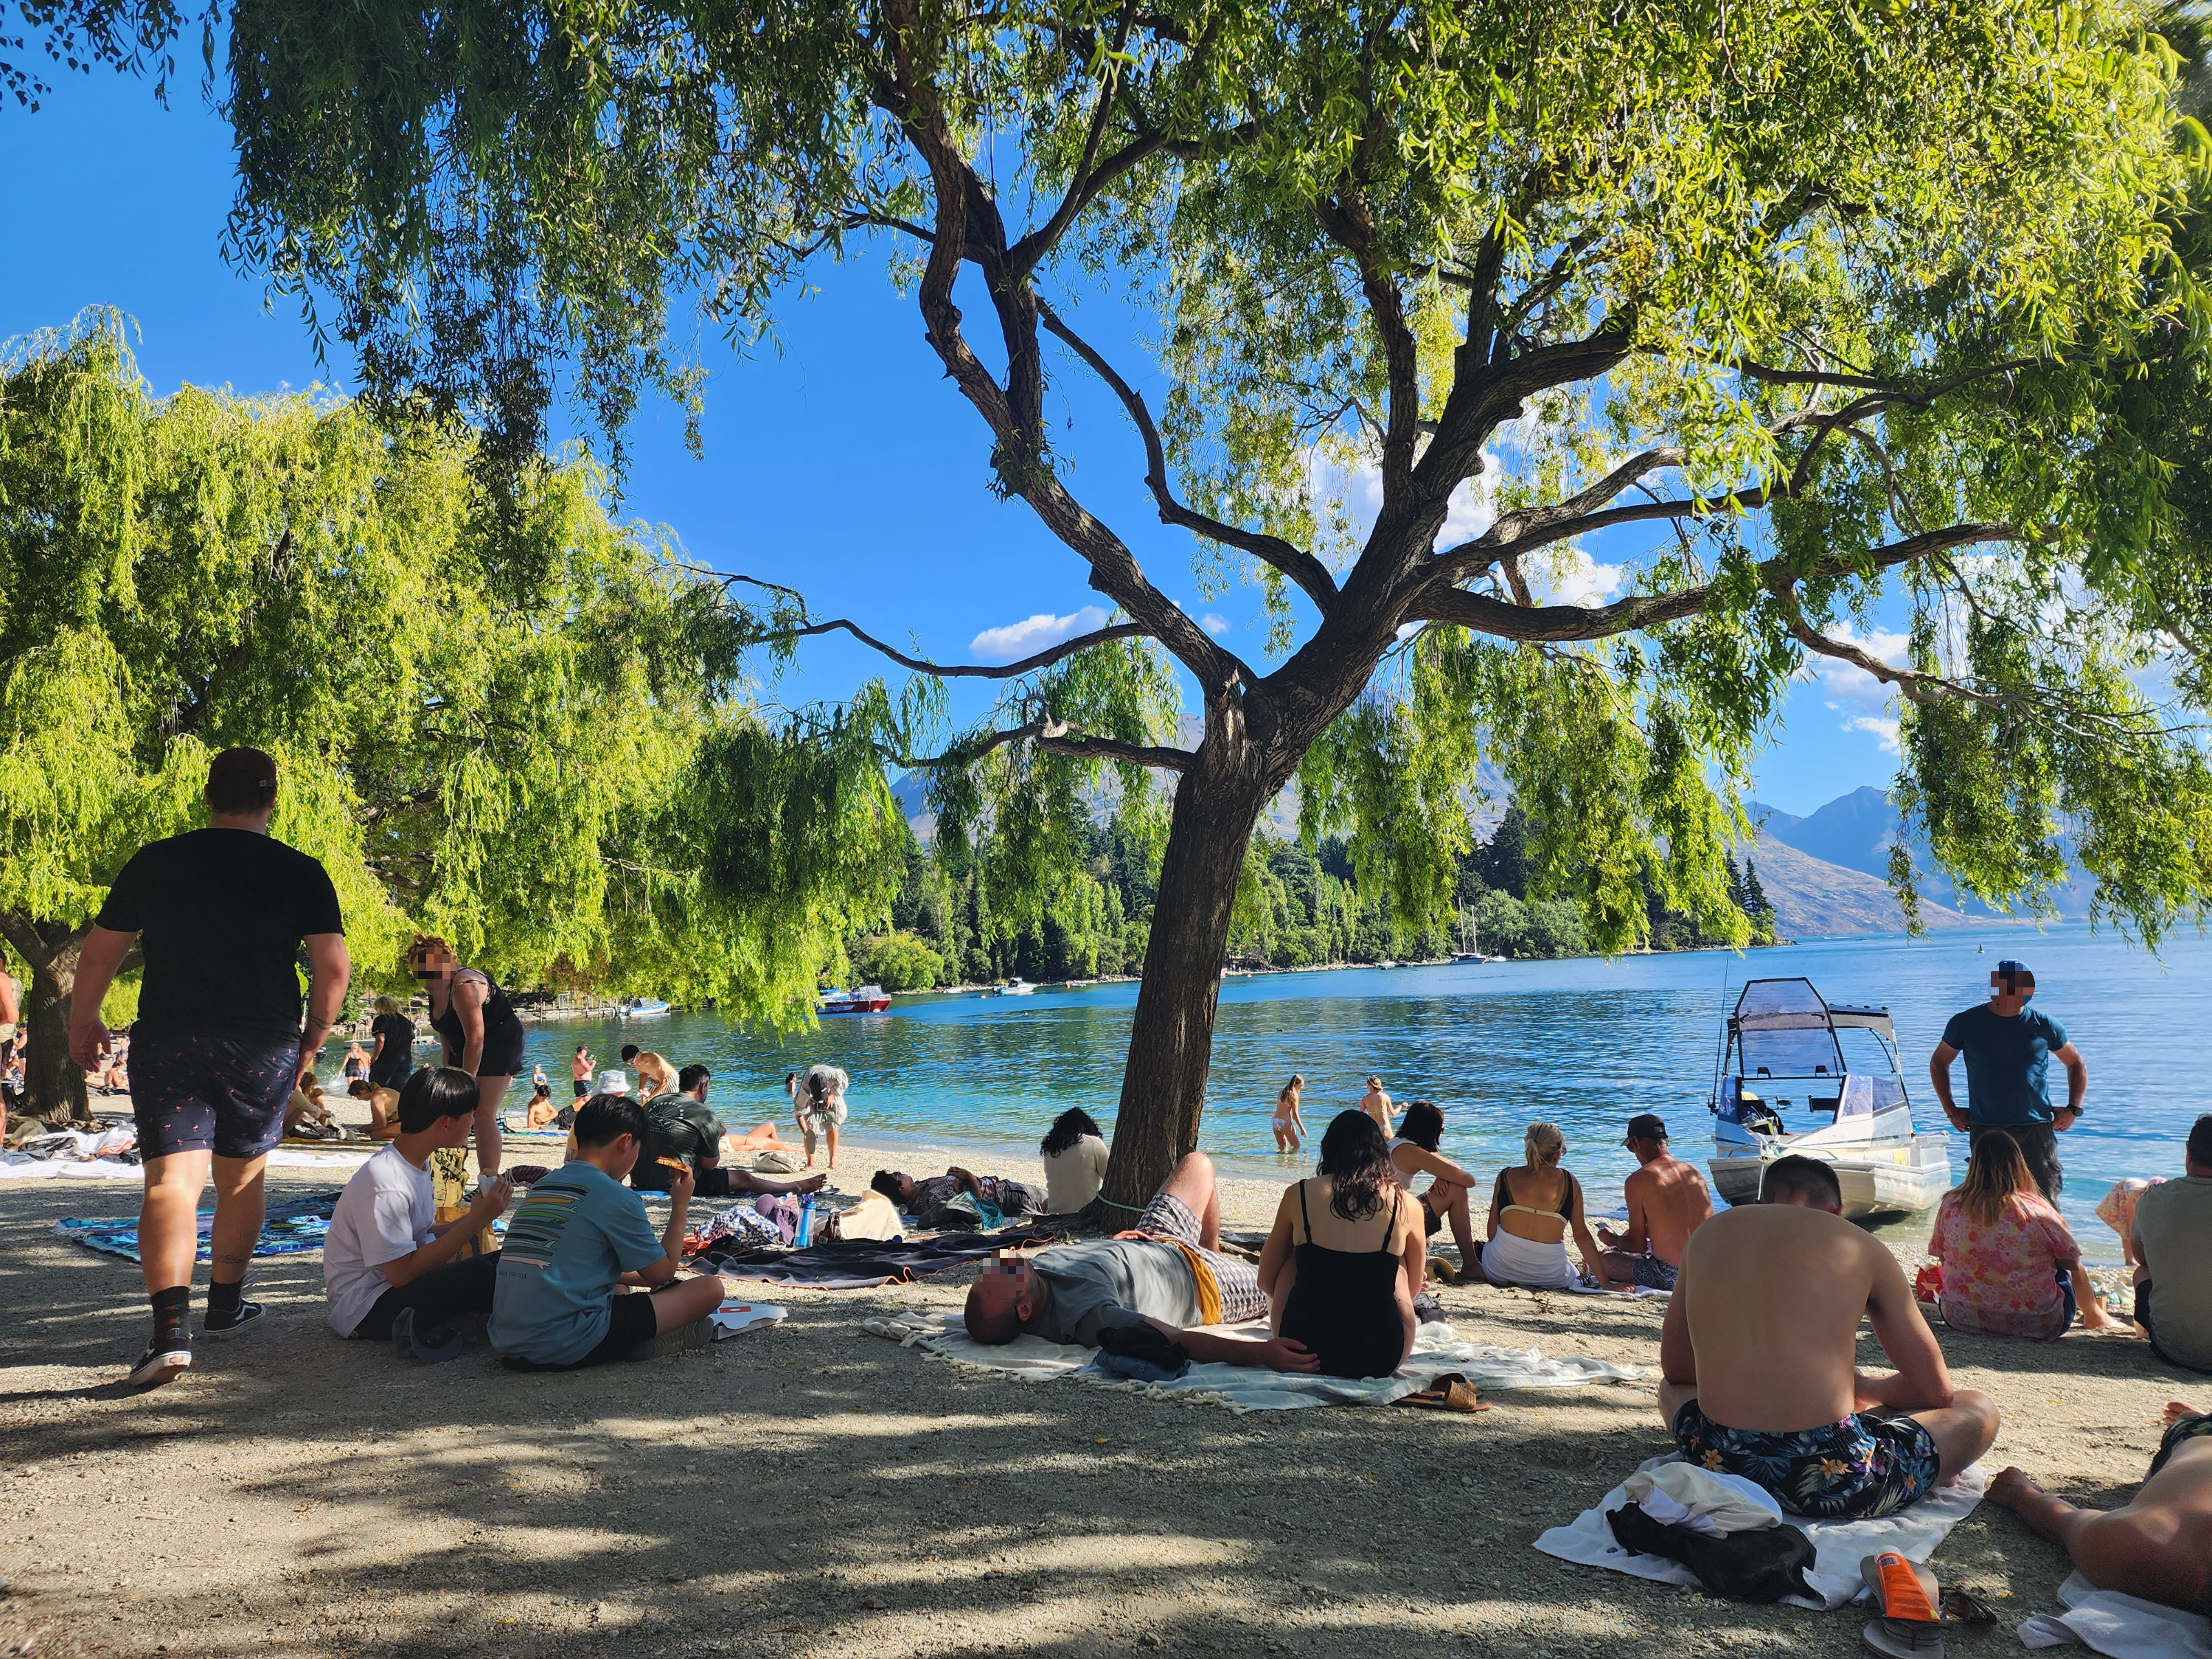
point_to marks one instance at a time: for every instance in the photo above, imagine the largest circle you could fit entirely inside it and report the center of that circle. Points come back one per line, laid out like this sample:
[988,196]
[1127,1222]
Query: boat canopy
[1783,1029]
[1864,1019]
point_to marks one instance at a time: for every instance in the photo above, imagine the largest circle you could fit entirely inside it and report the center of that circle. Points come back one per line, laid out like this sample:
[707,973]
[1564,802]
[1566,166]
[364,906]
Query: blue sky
[842,464]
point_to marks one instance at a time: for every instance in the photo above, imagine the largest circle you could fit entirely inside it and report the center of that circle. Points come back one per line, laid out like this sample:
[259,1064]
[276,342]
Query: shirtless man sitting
[1761,1337]
[1167,1273]
[1666,1202]
[2158,1545]
[383,1108]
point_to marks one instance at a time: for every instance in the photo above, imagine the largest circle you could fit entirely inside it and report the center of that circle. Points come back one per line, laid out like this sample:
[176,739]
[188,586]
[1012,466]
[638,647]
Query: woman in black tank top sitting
[1346,1256]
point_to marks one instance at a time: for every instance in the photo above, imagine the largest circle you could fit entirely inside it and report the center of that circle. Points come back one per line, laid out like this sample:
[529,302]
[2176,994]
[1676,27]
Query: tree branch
[1057,737]
[1560,623]
[1301,567]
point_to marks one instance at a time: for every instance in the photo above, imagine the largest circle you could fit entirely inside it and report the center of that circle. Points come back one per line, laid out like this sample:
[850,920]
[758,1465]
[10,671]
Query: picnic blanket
[1438,1351]
[2122,1627]
[15,1166]
[852,1264]
[288,1229]
[1840,1546]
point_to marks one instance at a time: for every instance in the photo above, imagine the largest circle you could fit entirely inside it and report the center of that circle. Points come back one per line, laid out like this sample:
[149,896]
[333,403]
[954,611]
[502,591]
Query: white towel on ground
[1840,1545]
[2122,1627]
[1438,1351]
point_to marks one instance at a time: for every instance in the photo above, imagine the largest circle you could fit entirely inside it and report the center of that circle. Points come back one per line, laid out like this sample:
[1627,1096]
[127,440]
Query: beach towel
[1438,1351]
[863,1263]
[287,1229]
[15,1166]
[1840,1545]
[2122,1627]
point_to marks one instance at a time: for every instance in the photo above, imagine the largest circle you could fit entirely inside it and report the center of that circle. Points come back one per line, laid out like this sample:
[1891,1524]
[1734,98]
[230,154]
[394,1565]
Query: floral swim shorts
[1855,1469]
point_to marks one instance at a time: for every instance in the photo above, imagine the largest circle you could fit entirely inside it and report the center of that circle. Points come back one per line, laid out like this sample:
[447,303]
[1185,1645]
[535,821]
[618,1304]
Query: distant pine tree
[1756,904]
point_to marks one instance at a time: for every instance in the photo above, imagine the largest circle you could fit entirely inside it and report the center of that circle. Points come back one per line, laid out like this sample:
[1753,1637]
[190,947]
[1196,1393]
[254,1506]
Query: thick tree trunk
[53,1087]
[1217,804]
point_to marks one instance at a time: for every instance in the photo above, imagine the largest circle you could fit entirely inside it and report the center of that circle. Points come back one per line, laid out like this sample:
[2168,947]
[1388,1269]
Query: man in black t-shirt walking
[221,915]
[2008,1048]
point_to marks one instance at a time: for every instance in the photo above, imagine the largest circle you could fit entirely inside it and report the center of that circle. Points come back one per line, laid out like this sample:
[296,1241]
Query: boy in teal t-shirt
[577,1238]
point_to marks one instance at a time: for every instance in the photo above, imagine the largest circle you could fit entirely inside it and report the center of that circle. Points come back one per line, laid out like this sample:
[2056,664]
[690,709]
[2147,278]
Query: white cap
[614,1083]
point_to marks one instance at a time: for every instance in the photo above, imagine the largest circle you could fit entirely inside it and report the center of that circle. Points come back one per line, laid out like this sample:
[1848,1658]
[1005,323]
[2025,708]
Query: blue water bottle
[805,1233]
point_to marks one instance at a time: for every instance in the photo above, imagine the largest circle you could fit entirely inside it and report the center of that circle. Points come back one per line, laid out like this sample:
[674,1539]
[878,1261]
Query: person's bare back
[1673,1200]
[1772,1294]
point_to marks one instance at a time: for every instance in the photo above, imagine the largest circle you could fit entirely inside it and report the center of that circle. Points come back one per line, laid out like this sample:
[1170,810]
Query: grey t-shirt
[1114,1284]
[2174,1222]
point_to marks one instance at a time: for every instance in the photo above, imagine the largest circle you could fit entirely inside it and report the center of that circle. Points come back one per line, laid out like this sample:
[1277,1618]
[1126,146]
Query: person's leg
[1193,1186]
[682,1300]
[745,1181]
[2083,1291]
[1449,1199]
[1962,1431]
[241,1206]
[1673,1396]
[2146,1549]
[830,1133]
[168,1219]
[437,1298]
[806,1133]
[491,1149]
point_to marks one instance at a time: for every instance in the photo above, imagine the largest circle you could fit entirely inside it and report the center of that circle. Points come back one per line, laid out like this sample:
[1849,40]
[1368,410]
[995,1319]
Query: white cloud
[1880,728]
[1578,579]
[1214,625]
[1846,686]
[1034,633]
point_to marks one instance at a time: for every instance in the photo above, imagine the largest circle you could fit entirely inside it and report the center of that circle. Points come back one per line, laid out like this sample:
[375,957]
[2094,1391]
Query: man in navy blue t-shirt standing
[2008,1048]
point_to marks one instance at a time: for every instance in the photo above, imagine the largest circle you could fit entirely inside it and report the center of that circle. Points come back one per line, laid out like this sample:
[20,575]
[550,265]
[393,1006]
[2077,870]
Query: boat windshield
[1782,1029]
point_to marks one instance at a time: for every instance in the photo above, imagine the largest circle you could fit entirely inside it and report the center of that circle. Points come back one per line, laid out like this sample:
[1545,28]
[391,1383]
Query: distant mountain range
[1825,873]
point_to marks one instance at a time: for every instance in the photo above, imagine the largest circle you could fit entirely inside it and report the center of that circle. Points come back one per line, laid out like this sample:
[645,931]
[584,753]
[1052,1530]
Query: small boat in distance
[865,999]
[1839,1063]
[644,1008]
[1016,987]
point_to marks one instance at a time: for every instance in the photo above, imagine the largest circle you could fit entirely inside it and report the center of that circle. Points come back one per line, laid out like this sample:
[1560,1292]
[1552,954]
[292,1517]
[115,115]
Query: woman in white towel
[1532,1210]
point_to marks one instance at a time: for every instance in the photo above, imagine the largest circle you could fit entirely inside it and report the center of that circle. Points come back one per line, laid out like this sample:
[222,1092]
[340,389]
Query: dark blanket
[852,1264]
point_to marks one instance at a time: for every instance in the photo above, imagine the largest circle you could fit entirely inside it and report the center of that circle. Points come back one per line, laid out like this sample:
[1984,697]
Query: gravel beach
[810,1489]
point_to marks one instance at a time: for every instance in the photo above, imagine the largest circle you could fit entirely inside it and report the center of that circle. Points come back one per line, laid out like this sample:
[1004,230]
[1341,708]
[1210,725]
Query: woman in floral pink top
[2010,1269]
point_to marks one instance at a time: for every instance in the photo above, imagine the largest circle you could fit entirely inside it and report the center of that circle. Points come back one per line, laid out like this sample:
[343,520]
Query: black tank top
[502,1031]
[1344,1305]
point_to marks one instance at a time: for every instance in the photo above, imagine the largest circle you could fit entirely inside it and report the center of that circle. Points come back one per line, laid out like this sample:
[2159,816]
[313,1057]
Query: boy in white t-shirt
[388,1265]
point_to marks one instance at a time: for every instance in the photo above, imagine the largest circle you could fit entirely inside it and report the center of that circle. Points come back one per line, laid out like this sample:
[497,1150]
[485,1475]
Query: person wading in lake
[221,915]
[481,1034]
[2008,1048]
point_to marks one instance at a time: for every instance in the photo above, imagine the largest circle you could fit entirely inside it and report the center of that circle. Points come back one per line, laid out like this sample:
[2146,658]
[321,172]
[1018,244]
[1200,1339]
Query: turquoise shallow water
[1583,1043]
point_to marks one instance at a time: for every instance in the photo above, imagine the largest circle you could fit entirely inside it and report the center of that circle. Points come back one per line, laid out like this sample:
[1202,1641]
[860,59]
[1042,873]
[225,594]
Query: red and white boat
[867,1000]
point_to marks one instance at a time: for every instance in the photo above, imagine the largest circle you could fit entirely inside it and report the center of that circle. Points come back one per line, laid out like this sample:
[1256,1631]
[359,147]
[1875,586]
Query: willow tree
[489,710]
[1788,308]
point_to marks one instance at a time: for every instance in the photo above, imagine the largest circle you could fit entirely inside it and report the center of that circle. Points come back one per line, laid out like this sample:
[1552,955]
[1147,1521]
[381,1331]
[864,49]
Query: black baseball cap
[1647,1126]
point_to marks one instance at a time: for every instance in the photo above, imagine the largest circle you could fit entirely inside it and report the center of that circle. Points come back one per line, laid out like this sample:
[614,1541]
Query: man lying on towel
[1757,1355]
[1010,1197]
[2158,1545]
[1167,1273]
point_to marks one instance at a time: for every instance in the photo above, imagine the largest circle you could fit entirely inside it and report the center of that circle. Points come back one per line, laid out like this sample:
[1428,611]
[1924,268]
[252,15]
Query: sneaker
[248,1313]
[699,1333]
[408,1344]
[159,1364]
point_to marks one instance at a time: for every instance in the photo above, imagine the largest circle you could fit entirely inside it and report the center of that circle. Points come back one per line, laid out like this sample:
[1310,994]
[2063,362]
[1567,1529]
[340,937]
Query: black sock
[170,1307]
[223,1300]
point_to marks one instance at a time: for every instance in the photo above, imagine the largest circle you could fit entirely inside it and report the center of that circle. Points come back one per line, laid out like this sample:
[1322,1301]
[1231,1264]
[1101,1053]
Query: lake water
[1585,1043]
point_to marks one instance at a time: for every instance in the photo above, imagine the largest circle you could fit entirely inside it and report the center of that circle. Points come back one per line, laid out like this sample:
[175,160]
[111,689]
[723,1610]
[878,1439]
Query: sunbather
[578,1237]
[1348,1253]
[1412,1153]
[1167,1275]
[1757,1357]
[383,1108]
[1666,1202]
[1003,1192]
[1532,1210]
[2158,1545]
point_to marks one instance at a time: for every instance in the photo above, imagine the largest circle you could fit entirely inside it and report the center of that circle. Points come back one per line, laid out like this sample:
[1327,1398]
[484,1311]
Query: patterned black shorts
[198,1094]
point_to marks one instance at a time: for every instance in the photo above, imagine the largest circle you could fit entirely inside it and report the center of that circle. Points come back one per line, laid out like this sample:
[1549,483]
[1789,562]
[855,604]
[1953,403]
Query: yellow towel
[1209,1289]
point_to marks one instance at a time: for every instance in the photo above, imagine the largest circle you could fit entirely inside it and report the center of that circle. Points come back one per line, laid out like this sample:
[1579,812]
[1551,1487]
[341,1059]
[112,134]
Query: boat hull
[857,1006]
[1896,1178]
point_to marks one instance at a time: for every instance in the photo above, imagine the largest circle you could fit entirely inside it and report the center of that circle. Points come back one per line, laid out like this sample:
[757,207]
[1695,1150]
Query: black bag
[1763,1564]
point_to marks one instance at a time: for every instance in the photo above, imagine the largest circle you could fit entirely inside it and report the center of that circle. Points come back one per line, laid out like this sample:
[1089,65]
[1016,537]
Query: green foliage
[897,962]
[499,719]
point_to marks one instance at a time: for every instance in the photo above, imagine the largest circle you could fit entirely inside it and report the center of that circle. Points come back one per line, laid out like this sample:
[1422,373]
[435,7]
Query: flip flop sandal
[1910,1626]
[1452,1393]
[1963,1605]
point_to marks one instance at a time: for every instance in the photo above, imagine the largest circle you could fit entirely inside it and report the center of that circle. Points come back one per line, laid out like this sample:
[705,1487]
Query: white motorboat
[1016,987]
[1833,1070]
[644,1008]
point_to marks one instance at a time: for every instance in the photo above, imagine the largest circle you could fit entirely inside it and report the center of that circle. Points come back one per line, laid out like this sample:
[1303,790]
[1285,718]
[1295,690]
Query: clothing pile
[75,1154]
